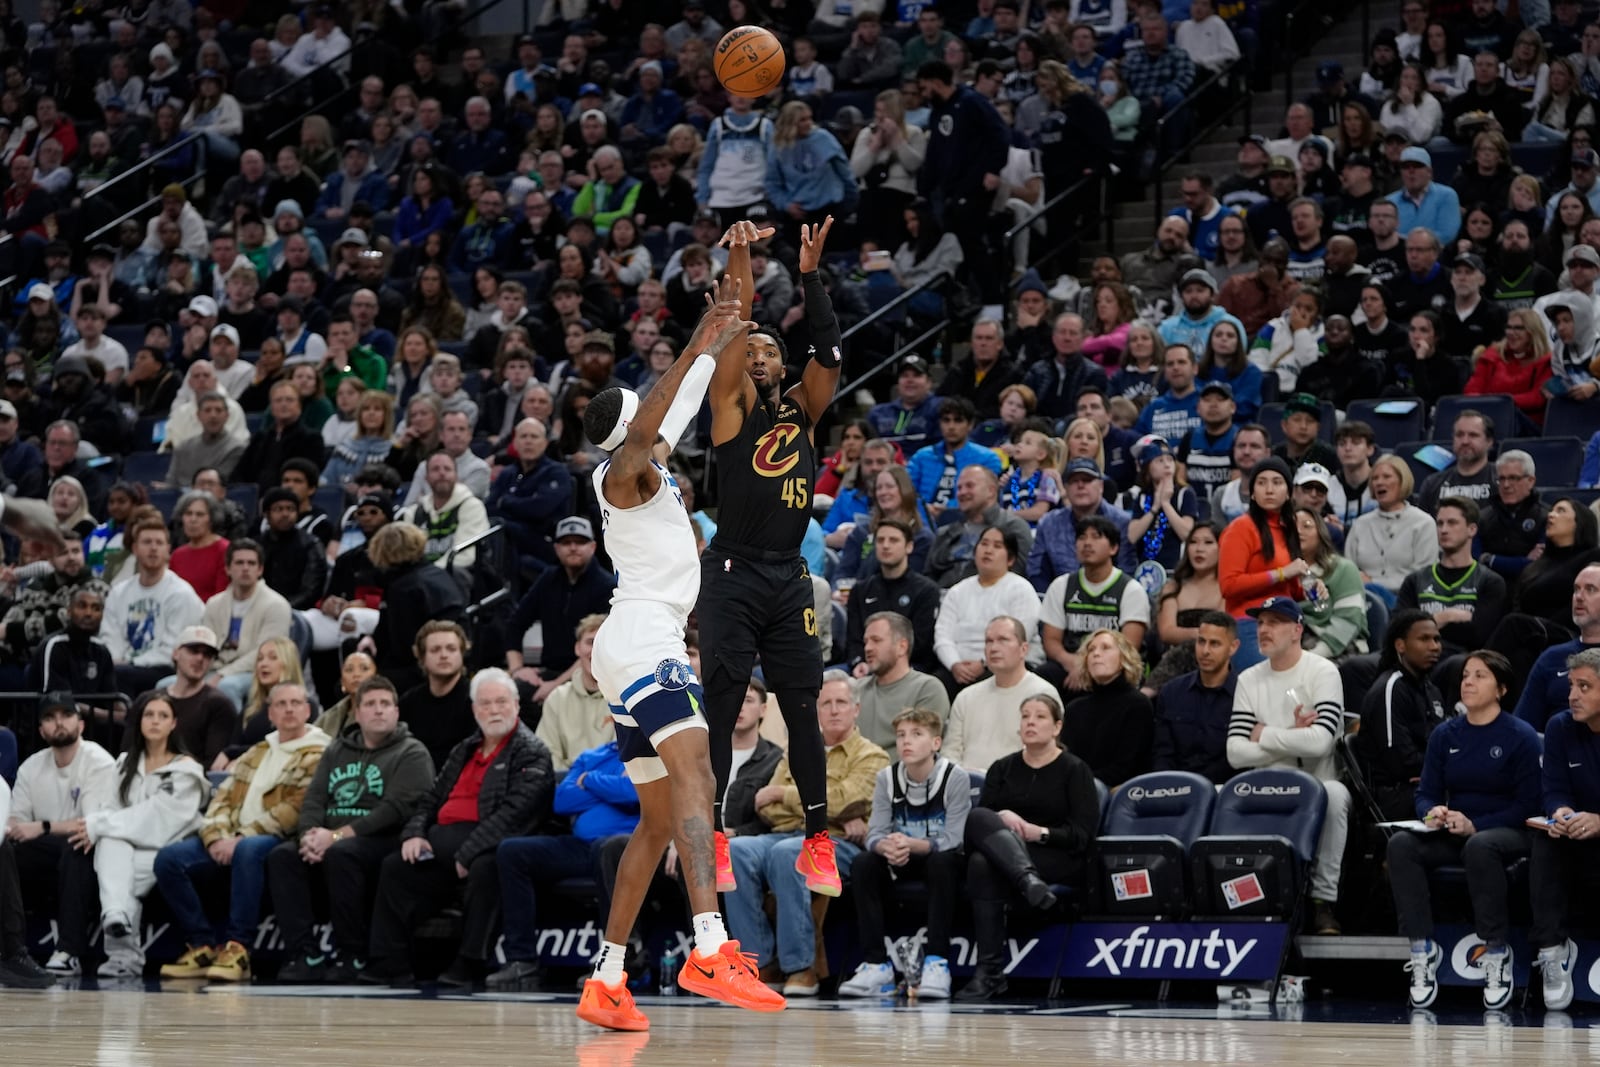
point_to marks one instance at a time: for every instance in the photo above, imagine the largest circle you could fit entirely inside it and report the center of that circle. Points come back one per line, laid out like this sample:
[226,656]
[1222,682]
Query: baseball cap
[574,526]
[356,144]
[227,331]
[1150,447]
[593,112]
[1085,466]
[1280,165]
[41,291]
[705,214]
[198,635]
[1585,254]
[589,89]
[102,251]
[1395,133]
[1586,157]
[215,75]
[8,410]
[58,701]
[916,363]
[204,306]
[1313,472]
[1217,387]
[1278,605]
[1304,403]
[1197,276]
[382,501]
[1472,260]
[355,235]
[1358,159]
[1257,139]
[1418,156]
[114,102]
[1330,70]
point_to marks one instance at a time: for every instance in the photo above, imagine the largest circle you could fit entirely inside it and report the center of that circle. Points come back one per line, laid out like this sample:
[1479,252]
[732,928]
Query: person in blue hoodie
[602,803]
[1191,327]
[354,180]
[1480,781]
[934,468]
[1571,845]
[808,174]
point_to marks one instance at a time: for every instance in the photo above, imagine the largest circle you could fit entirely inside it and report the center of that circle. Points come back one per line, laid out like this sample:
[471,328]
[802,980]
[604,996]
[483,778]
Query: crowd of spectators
[279,419]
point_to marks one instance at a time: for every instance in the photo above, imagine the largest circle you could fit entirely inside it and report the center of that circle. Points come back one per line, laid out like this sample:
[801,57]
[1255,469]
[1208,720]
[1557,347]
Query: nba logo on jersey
[674,674]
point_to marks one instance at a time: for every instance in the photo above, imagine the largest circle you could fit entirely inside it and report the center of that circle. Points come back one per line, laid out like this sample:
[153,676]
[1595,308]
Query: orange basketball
[748,61]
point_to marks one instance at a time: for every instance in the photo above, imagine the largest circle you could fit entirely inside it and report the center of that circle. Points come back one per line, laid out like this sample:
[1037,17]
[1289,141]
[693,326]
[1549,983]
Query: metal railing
[1244,97]
[1034,255]
[90,238]
[1294,20]
[877,316]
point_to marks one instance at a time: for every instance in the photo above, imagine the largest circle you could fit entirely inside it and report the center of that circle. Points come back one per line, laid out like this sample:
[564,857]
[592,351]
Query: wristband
[45,823]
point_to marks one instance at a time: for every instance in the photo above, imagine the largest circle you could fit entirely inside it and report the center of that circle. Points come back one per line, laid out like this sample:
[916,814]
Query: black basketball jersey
[765,477]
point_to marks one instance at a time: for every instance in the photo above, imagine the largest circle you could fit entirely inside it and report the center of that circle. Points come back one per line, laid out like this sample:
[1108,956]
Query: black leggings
[808,760]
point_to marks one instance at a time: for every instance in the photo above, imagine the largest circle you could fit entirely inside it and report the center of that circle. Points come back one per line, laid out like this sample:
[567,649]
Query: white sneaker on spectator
[1556,963]
[120,967]
[62,963]
[1497,982]
[935,984]
[1424,968]
[872,980]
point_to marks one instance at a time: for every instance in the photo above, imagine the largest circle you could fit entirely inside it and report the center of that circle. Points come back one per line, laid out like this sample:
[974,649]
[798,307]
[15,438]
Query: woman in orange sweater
[1518,366]
[1258,559]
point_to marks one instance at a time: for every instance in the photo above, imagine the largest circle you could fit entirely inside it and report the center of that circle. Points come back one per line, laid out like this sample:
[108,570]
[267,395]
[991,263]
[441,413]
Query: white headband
[630,407]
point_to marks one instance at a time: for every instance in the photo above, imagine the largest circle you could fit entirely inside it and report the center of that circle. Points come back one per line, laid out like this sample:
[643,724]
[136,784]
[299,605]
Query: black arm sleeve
[820,318]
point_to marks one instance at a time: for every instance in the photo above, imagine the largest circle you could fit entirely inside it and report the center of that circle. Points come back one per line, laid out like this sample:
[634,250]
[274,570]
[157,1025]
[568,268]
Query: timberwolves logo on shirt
[1496,752]
[674,675]
[775,454]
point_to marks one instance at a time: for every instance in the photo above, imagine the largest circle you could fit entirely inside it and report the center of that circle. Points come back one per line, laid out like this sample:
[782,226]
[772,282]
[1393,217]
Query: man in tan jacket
[768,860]
[257,806]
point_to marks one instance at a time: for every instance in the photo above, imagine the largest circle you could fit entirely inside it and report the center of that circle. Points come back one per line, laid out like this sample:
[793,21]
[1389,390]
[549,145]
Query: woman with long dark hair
[1033,826]
[1561,233]
[433,306]
[892,497]
[1227,359]
[155,796]
[1191,589]
[839,469]
[1335,605]
[927,252]
[1570,544]
[1259,556]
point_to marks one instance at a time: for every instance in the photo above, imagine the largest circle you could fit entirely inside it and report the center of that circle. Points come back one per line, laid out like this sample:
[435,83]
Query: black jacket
[916,596]
[739,804]
[968,141]
[270,448]
[1109,728]
[1191,727]
[963,381]
[295,566]
[99,419]
[515,797]
[412,595]
[1398,714]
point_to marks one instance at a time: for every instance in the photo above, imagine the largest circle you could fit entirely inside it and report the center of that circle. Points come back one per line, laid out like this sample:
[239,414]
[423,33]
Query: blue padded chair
[1390,430]
[1102,791]
[1556,460]
[1499,408]
[146,467]
[1407,450]
[1564,417]
[1264,827]
[8,756]
[1152,821]
[976,778]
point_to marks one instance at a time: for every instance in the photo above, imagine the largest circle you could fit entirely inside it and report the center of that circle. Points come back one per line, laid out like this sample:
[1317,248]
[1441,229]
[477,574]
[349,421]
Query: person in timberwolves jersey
[643,670]
[755,590]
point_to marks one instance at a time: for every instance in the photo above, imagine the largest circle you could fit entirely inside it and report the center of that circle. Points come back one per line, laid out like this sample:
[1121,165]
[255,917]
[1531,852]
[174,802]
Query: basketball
[748,61]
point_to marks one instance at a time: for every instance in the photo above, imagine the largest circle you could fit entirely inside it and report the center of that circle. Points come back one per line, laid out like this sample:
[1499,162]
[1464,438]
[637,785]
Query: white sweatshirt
[968,608]
[142,623]
[1209,43]
[1262,696]
[986,721]
[1388,545]
[163,806]
[45,791]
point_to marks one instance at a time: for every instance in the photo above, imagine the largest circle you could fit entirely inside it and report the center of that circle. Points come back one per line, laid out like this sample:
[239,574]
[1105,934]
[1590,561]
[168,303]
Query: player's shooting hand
[812,239]
[730,331]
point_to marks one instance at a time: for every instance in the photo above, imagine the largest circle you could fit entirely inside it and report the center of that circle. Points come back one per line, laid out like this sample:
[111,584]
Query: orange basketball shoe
[729,976]
[610,1007]
[816,863]
[725,880]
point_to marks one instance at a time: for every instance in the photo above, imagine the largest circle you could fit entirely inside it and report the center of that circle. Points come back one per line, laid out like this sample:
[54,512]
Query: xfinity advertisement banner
[1240,952]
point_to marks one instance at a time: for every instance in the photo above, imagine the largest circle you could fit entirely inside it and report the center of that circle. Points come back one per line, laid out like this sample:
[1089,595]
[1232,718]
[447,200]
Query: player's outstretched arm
[732,392]
[820,380]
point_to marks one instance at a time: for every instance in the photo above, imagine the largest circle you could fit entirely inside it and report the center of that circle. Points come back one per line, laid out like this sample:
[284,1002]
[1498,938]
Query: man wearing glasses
[1512,527]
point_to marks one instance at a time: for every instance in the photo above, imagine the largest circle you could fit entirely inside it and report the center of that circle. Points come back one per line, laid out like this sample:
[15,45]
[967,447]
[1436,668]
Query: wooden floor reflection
[287,1027]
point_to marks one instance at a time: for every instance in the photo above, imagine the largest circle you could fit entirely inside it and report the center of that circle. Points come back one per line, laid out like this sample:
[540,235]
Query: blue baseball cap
[1085,466]
[1277,605]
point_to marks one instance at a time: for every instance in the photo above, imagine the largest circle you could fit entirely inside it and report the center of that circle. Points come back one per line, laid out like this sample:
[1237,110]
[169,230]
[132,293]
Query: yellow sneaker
[194,963]
[232,964]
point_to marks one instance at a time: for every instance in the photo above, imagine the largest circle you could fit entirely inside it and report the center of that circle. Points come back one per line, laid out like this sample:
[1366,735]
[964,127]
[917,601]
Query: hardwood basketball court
[271,1025]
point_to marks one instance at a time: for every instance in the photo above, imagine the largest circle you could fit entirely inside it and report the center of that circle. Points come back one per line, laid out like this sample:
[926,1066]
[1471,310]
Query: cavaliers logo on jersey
[775,453]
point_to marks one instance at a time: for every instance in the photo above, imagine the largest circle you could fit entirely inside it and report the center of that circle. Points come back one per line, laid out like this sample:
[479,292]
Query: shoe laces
[743,964]
[821,846]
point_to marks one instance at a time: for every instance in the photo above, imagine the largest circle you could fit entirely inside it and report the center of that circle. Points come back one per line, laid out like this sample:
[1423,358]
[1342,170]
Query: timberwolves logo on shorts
[674,675]
[768,459]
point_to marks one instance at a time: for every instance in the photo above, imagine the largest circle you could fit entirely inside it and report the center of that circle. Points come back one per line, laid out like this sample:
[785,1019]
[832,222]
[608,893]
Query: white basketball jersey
[651,546]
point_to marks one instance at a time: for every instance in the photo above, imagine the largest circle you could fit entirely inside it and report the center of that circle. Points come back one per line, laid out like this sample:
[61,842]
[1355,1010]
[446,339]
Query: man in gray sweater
[365,788]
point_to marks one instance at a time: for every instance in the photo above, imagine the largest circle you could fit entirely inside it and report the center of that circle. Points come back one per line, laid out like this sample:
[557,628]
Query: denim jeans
[528,864]
[767,861]
[1249,653]
[176,866]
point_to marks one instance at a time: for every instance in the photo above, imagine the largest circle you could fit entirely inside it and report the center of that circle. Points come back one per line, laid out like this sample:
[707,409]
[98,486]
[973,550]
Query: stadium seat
[1377,620]
[1255,859]
[1556,460]
[1356,776]
[1140,859]
[330,499]
[1571,418]
[164,500]
[147,433]
[976,778]
[246,497]
[1407,450]
[8,756]
[1390,430]
[1551,493]
[1104,793]
[146,467]
[1498,408]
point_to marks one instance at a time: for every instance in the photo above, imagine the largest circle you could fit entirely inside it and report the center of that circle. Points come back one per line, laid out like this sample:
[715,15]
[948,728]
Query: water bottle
[670,965]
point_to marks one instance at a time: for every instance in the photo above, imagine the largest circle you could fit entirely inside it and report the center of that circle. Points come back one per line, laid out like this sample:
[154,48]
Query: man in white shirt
[245,614]
[1288,712]
[47,809]
[325,43]
[92,341]
[146,613]
[986,718]
[1207,38]
[1298,121]
[892,686]
[576,716]
[234,375]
